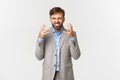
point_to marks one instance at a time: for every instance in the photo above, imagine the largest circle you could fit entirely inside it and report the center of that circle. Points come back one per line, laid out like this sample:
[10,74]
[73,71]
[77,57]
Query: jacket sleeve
[39,52]
[74,48]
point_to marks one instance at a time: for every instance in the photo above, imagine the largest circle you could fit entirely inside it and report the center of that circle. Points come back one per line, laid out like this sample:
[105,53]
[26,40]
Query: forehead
[57,15]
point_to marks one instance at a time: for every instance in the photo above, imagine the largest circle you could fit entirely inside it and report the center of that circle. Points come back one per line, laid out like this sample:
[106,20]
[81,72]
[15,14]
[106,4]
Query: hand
[69,31]
[43,31]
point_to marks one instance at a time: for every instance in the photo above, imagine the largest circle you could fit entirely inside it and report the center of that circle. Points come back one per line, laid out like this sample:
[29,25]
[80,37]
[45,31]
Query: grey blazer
[46,50]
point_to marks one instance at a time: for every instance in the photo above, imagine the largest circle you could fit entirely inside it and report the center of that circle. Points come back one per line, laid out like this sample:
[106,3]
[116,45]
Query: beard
[57,26]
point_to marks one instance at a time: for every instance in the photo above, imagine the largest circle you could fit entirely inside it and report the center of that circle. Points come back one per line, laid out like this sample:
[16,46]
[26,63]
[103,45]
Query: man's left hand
[69,30]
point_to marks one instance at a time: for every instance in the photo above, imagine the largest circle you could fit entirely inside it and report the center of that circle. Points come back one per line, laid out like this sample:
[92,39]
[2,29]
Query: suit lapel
[63,37]
[52,40]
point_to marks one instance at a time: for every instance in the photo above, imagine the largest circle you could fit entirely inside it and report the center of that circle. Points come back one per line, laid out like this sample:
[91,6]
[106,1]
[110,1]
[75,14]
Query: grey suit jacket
[46,50]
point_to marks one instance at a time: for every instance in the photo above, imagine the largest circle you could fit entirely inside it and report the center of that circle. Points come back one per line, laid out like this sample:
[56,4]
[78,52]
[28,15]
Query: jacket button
[54,65]
[55,55]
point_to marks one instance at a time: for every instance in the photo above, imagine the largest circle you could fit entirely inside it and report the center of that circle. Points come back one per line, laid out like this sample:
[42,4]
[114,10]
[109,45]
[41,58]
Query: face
[57,21]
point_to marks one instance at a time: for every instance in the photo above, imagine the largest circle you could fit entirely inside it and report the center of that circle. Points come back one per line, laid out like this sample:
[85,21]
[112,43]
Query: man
[56,46]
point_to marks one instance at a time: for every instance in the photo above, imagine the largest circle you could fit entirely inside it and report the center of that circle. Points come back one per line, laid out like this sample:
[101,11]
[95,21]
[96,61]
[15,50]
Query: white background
[97,23]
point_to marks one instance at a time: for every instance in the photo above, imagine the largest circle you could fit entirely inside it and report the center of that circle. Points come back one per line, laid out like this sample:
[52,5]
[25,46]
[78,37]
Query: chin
[57,28]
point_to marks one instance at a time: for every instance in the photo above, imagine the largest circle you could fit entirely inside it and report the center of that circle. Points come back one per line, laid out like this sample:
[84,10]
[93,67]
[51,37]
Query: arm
[39,49]
[74,48]
[40,43]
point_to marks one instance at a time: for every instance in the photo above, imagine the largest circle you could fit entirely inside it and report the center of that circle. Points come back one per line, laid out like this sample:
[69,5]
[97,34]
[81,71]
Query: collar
[59,32]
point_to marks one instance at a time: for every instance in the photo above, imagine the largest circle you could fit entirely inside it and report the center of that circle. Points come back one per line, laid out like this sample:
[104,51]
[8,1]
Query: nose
[56,20]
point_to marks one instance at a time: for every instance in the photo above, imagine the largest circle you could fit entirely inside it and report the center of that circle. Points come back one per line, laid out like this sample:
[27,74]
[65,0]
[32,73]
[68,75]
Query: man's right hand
[43,31]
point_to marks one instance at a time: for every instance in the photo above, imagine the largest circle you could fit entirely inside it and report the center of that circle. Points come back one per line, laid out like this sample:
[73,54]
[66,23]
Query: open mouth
[57,24]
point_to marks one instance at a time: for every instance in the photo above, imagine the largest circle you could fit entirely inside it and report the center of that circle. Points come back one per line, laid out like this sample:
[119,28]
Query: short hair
[55,10]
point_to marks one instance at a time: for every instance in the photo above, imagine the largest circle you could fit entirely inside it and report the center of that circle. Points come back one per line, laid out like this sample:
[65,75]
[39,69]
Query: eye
[53,18]
[59,18]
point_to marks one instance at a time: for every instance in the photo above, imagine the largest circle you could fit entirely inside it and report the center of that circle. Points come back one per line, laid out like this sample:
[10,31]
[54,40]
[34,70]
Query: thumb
[65,32]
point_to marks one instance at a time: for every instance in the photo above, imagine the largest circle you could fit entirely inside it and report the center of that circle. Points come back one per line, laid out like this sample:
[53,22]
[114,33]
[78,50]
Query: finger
[42,27]
[70,24]
[46,32]
[66,32]
[46,28]
[67,28]
[70,27]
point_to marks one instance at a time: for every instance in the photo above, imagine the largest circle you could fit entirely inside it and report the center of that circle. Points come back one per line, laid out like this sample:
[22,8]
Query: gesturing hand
[69,31]
[43,31]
